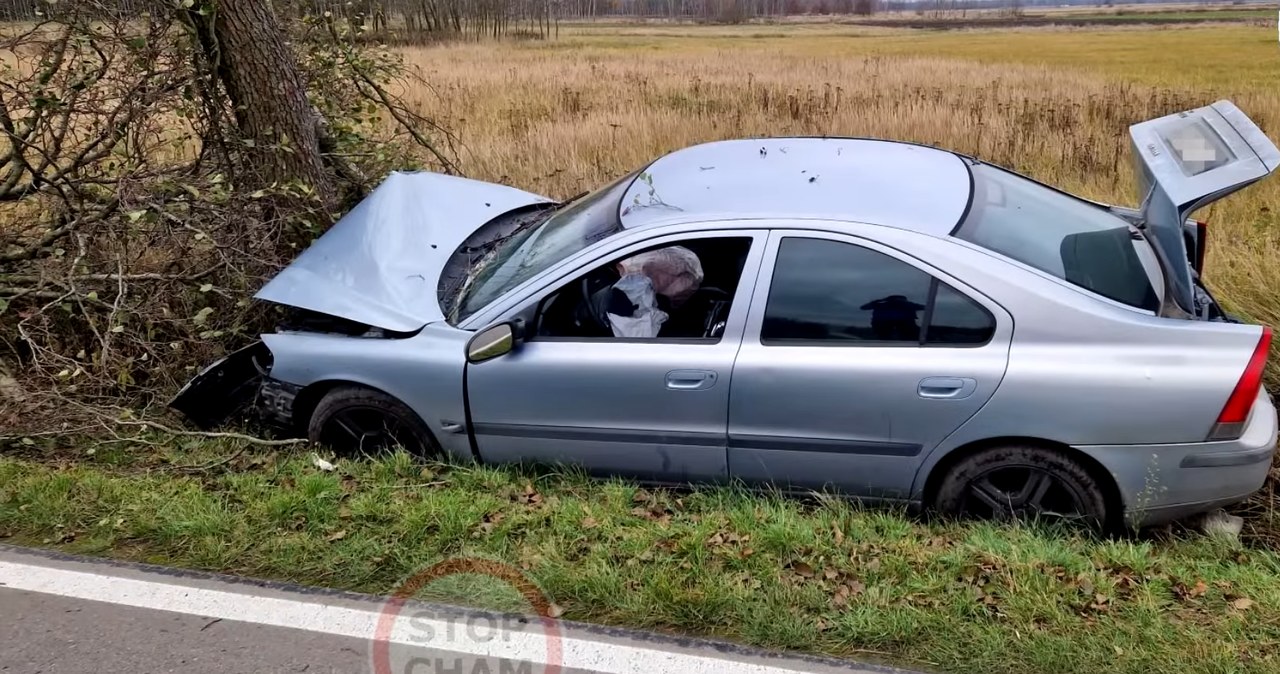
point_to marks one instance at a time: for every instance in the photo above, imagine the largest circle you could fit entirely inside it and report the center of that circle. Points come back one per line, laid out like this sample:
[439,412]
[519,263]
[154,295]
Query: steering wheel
[586,316]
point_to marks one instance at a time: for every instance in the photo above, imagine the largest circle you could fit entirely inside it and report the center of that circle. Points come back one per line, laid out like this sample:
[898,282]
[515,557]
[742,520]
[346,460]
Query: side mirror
[493,341]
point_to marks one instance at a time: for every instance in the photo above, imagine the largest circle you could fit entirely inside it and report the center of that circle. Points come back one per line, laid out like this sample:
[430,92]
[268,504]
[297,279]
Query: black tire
[1023,483]
[357,420]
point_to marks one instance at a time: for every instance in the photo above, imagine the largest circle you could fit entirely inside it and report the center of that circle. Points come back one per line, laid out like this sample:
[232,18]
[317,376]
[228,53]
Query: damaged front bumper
[237,384]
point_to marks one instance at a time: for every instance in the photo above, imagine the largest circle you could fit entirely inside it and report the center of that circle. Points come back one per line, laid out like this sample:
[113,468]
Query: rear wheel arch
[1111,491]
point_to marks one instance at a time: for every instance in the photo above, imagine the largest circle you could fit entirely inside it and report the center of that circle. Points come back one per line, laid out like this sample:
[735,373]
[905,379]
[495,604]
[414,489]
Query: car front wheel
[358,420]
[1023,483]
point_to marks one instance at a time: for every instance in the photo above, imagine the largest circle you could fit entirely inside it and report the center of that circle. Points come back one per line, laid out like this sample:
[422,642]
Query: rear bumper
[1159,483]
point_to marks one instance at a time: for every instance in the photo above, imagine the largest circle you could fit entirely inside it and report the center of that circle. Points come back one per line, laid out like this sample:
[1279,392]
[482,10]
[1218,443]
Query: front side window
[833,292]
[681,290]
[1074,240]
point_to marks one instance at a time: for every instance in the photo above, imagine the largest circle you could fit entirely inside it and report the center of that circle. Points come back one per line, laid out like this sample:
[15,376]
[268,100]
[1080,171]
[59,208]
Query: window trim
[771,264]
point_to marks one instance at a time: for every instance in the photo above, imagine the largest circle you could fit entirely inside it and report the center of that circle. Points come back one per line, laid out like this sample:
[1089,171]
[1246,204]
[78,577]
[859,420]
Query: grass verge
[821,576]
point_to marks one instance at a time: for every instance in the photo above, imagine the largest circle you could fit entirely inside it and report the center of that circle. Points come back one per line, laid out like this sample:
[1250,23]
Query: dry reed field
[559,118]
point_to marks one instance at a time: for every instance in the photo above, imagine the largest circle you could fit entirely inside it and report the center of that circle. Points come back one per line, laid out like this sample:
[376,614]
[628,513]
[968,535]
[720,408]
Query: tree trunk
[261,76]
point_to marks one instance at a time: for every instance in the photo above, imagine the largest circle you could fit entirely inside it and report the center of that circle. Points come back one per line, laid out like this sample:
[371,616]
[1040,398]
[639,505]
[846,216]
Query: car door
[652,408]
[857,359]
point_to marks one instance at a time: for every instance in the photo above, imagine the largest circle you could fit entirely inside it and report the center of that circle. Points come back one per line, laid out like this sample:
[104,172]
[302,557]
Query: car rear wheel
[358,420]
[1023,483]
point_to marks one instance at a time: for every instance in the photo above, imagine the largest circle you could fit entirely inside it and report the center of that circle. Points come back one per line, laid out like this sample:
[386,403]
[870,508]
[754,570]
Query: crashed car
[885,320]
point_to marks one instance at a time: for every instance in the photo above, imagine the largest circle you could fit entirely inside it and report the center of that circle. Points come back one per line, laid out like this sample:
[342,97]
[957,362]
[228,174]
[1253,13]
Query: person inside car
[651,286]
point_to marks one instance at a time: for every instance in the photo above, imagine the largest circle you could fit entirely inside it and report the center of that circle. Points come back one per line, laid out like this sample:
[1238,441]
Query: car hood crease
[381,263]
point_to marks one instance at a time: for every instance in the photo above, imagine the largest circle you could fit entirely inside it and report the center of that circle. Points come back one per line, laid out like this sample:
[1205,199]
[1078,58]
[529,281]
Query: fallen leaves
[488,522]
[840,585]
[660,515]
[654,508]
[801,569]
[665,545]
[845,591]
[1183,593]
[336,536]
[730,544]
[62,535]
[529,496]
[929,600]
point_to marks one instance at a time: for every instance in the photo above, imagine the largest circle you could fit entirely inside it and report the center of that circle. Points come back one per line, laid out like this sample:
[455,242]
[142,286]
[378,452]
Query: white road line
[522,646]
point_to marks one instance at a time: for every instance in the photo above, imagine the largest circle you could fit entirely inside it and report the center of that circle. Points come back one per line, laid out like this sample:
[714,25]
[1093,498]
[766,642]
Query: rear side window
[832,292]
[1061,235]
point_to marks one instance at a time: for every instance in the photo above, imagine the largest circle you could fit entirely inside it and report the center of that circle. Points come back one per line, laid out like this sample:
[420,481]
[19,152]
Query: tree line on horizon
[421,21]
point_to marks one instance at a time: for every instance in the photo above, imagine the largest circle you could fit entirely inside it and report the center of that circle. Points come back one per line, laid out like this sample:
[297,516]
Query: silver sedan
[880,319]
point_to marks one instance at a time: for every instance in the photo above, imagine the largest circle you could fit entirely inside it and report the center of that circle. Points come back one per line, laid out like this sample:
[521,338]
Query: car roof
[879,182]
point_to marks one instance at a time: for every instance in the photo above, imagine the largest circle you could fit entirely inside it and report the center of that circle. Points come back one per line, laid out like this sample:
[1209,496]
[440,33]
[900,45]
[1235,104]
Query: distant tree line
[384,20]
[416,21]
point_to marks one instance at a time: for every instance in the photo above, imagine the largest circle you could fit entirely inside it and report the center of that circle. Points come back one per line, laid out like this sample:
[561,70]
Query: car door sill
[590,434]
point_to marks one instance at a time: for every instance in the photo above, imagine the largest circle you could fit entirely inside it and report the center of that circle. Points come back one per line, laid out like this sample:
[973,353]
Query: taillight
[1236,412]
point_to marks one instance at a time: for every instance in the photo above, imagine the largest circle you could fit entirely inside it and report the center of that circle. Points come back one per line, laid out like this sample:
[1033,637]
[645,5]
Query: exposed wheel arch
[1111,491]
[304,404]
[387,419]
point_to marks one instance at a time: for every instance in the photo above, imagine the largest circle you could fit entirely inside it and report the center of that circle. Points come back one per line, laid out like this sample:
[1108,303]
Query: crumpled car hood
[380,264]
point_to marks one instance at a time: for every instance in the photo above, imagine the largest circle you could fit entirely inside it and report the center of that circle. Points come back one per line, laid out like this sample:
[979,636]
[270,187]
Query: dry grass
[562,117]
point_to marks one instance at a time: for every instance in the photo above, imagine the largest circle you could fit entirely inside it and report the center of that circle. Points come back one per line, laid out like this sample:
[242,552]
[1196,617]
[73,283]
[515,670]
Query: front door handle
[690,380]
[947,388]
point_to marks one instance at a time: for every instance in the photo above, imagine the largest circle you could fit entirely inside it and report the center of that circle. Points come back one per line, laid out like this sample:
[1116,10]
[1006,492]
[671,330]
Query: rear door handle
[947,388]
[690,380]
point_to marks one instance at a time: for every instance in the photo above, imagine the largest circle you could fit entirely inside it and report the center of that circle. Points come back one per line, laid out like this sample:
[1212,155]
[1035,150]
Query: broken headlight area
[239,386]
[226,388]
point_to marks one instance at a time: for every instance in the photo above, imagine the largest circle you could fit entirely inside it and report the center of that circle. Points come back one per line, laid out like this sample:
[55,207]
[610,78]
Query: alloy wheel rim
[1023,493]
[367,430]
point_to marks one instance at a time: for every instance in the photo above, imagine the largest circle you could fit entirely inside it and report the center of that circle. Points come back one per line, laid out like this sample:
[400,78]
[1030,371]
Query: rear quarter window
[1069,238]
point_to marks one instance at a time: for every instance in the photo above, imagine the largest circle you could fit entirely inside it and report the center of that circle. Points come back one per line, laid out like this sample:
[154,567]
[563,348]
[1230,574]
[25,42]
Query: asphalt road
[61,614]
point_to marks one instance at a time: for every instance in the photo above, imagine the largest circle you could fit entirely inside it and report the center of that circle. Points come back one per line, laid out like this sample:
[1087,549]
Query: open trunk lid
[380,264]
[1187,161]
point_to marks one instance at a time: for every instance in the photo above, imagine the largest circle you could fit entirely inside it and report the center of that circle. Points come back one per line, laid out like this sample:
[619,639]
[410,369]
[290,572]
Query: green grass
[758,569]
